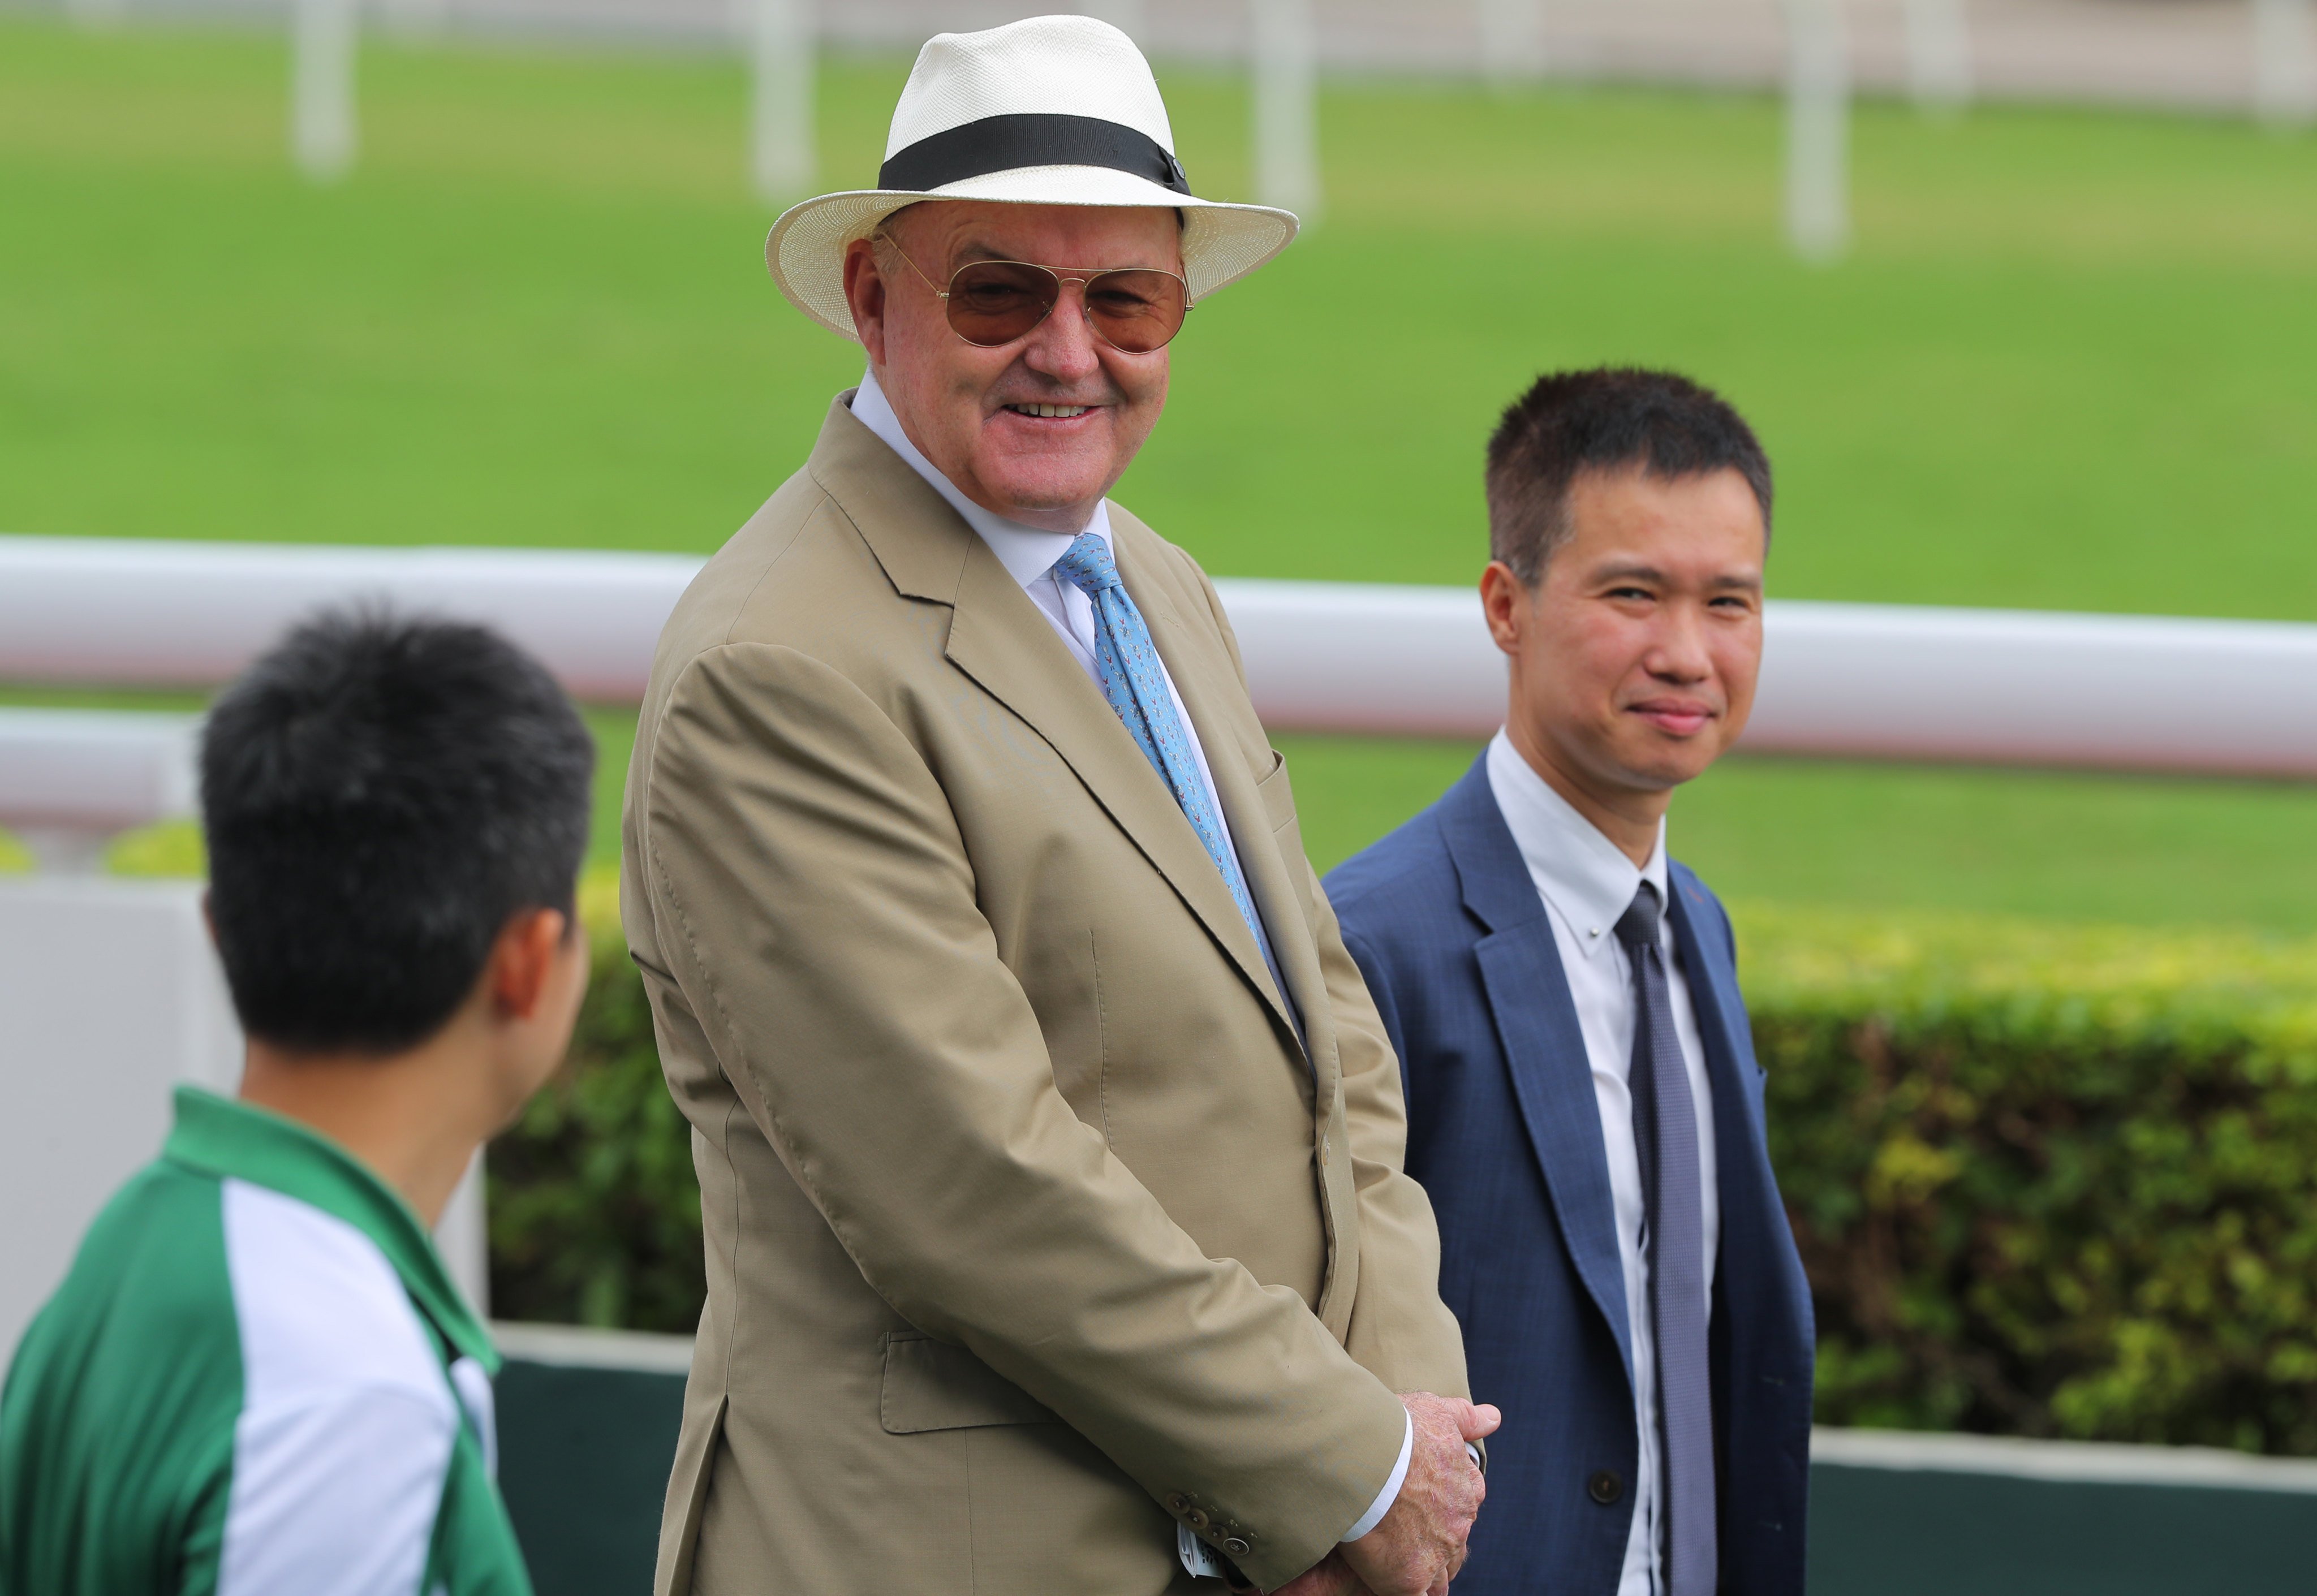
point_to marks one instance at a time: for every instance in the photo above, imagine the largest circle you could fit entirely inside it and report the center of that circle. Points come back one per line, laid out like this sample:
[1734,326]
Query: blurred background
[2063,364]
[2021,294]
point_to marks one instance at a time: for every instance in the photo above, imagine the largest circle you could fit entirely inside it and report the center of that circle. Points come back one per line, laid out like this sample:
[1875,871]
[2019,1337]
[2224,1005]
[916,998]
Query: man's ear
[864,291]
[1506,601]
[524,959]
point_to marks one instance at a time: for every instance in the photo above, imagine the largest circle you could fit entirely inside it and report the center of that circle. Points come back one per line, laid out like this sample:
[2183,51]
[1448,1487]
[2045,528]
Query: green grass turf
[2067,366]
[2064,847]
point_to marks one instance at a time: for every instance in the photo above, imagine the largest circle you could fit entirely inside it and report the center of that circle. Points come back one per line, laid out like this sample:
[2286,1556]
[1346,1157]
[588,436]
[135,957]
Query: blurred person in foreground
[1584,1105]
[258,1379]
[1049,1146]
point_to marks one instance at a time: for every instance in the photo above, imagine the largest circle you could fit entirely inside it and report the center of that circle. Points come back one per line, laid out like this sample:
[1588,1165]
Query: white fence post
[112,996]
[1939,54]
[781,56]
[1817,130]
[1512,42]
[324,38]
[1286,107]
[1127,17]
[2285,62]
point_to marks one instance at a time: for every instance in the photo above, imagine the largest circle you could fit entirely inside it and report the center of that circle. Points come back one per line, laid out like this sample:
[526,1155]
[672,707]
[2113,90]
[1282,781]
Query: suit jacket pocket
[1278,795]
[930,1385]
[1286,830]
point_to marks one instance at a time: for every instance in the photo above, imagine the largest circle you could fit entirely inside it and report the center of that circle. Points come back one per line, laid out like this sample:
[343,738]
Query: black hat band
[1031,138]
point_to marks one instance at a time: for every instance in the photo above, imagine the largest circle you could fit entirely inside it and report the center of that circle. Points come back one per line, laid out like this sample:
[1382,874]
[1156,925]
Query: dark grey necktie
[1664,1133]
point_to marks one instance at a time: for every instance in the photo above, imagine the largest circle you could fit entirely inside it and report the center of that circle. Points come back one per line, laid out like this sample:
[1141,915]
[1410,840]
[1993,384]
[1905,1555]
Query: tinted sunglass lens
[1136,311]
[994,302]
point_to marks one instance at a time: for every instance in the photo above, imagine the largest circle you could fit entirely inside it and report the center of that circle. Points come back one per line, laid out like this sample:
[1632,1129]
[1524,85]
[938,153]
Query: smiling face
[1039,429]
[1634,657]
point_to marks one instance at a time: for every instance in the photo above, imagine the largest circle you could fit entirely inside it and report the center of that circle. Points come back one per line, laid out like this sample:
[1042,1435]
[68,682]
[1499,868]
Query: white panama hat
[1049,110]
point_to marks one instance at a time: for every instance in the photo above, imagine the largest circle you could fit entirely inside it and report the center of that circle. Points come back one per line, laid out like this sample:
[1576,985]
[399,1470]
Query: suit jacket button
[1177,1503]
[1236,1546]
[1196,1518]
[1604,1487]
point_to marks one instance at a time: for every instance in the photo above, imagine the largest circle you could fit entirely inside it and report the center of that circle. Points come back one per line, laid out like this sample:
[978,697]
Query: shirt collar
[241,1141]
[1026,553]
[1583,875]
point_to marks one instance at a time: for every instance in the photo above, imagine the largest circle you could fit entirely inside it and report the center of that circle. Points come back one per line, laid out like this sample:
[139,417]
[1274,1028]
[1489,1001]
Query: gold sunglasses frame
[1082,278]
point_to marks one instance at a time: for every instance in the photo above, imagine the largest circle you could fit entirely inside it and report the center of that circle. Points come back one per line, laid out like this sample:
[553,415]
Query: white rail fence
[1862,680]
[2257,55]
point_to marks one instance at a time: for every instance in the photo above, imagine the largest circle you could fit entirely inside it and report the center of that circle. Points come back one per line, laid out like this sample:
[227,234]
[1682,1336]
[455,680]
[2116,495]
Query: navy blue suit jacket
[1505,1134]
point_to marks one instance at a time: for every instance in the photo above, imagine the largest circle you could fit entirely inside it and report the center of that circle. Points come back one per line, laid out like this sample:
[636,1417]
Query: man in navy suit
[1584,1107]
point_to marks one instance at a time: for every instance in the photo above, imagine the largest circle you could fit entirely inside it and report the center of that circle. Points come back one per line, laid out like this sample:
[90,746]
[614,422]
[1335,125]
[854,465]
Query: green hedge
[2048,1182]
[2047,1179]
[595,1210]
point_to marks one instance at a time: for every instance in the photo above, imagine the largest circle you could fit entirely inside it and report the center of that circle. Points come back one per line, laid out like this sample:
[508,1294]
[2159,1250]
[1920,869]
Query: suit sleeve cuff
[1391,1491]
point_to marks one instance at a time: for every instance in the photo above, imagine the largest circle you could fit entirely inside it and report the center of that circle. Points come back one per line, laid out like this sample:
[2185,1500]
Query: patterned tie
[1664,1133]
[1136,685]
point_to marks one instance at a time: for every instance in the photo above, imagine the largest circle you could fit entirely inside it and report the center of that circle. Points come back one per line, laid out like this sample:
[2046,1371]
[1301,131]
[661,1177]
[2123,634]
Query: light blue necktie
[1135,683]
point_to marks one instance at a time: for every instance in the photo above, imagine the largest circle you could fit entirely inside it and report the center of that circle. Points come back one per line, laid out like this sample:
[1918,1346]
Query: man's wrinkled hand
[1419,1544]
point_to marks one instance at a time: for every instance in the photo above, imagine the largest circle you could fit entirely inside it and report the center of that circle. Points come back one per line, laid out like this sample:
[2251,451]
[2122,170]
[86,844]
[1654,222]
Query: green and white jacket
[257,1380]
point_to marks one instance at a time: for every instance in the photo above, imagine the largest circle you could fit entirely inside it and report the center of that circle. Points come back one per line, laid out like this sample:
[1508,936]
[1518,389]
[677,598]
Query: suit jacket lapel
[1738,1127]
[1544,1047]
[997,638]
[1202,676]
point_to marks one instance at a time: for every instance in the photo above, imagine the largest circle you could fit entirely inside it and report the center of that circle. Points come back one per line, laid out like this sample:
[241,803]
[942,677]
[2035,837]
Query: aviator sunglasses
[1134,309]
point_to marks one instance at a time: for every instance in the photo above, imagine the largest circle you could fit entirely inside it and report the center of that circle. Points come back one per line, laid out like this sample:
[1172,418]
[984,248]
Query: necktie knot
[1088,566]
[1637,927]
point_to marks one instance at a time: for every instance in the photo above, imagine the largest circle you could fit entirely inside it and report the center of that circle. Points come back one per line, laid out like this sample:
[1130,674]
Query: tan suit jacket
[1031,1228]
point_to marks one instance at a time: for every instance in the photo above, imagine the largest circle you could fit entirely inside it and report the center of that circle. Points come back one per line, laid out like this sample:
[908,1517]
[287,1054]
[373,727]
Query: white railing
[1857,681]
[148,613]
[1861,681]
[72,779]
[2262,58]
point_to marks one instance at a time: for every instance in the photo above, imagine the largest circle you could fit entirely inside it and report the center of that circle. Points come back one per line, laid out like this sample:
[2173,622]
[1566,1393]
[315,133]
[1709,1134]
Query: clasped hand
[1418,1545]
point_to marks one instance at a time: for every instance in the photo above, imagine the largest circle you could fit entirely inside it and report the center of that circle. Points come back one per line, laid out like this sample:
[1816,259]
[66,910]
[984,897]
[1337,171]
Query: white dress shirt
[1029,556]
[1588,882]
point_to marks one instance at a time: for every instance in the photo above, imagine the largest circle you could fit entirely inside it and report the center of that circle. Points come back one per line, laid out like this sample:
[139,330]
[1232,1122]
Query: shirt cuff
[1391,1491]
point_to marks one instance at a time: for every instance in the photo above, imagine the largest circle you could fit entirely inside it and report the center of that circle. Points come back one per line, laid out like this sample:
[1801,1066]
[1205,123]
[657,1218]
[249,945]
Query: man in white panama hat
[1050,1149]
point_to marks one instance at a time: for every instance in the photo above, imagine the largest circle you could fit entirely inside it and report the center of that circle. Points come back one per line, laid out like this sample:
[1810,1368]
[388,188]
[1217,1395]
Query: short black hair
[380,797]
[1605,419]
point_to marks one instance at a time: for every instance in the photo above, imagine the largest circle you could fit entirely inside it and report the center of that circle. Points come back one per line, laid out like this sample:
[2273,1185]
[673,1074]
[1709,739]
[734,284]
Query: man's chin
[1663,775]
[1664,764]
[1035,492]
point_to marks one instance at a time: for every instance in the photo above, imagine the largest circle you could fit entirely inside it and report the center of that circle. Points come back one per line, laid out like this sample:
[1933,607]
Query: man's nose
[1678,652]
[1062,347]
